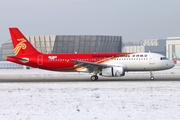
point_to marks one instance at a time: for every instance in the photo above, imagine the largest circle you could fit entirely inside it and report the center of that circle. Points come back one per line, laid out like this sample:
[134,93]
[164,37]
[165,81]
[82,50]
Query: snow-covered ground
[87,100]
[90,100]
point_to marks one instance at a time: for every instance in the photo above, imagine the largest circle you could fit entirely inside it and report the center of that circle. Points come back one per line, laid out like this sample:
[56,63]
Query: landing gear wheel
[152,78]
[151,74]
[94,77]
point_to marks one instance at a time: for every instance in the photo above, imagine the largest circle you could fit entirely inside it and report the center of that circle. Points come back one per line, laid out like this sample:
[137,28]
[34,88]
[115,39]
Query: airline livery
[103,64]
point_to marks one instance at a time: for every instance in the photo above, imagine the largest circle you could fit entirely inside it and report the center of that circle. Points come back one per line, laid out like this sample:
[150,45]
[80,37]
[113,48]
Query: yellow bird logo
[20,45]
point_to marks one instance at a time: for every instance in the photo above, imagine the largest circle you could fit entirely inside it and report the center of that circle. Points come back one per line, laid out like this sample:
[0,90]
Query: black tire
[93,78]
[96,77]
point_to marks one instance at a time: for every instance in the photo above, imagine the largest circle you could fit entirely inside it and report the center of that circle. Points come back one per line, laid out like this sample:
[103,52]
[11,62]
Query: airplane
[114,64]
[175,57]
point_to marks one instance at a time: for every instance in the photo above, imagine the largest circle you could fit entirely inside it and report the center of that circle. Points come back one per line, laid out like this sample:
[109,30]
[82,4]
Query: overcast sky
[131,19]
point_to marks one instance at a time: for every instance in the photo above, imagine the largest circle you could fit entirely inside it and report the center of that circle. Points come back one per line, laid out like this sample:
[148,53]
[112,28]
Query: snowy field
[82,99]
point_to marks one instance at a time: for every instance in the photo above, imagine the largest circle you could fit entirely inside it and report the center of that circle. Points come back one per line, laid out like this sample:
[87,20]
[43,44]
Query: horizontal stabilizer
[24,60]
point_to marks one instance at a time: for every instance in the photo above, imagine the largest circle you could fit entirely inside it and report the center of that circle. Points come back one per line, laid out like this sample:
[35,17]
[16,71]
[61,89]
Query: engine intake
[113,72]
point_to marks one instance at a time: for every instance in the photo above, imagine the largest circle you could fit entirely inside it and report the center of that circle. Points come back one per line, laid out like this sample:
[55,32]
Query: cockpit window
[164,58]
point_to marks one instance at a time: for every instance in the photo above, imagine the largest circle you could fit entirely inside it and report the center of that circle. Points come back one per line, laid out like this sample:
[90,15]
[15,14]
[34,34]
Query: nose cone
[170,64]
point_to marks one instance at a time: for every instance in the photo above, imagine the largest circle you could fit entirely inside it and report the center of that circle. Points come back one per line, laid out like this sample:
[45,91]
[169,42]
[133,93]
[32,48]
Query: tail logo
[20,45]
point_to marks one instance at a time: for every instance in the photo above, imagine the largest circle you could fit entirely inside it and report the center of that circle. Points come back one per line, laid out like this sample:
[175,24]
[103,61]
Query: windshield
[164,58]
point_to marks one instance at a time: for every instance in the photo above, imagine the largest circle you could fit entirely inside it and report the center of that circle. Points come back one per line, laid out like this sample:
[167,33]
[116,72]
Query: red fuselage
[63,62]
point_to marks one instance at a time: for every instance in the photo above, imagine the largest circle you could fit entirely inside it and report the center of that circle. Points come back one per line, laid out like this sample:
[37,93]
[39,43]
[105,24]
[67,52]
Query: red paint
[57,62]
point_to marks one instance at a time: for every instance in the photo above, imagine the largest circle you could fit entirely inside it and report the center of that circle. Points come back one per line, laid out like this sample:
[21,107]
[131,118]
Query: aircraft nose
[170,64]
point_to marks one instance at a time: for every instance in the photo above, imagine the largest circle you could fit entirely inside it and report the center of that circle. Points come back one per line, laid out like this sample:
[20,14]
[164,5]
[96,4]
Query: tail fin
[21,45]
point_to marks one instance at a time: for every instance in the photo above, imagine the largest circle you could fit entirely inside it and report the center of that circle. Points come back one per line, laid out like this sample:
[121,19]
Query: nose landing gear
[151,77]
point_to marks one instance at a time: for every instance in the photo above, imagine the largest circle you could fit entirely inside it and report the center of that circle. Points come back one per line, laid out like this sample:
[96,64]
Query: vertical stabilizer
[21,45]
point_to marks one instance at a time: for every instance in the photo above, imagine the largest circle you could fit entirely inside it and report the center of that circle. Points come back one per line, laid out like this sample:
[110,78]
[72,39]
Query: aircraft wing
[90,65]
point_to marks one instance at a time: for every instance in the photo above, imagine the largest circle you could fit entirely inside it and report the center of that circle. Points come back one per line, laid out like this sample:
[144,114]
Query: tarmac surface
[38,75]
[86,78]
[165,78]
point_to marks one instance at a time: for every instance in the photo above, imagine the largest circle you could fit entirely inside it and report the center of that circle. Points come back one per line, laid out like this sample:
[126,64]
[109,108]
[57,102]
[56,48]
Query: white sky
[131,19]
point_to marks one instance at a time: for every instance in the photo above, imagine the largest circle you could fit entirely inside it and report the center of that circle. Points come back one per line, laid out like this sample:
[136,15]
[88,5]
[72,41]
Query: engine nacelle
[113,72]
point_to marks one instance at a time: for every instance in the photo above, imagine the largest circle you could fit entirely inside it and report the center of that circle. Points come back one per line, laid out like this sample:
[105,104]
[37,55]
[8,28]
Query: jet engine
[113,72]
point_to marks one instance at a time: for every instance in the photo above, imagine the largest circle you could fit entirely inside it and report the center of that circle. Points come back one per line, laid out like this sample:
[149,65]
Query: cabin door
[151,59]
[40,60]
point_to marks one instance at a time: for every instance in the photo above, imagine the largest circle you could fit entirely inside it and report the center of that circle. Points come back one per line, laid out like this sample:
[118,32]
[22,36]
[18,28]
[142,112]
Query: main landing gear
[151,77]
[94,77]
